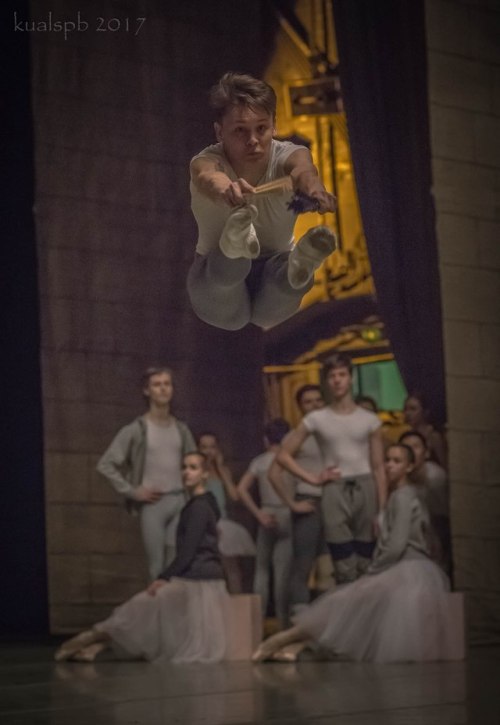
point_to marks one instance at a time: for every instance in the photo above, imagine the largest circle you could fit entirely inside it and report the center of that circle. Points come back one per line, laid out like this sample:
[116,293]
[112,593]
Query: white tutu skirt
[184,622]
[234,539]
[399,615]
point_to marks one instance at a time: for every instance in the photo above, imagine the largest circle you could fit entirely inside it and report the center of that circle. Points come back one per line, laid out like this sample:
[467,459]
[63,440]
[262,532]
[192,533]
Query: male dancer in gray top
[244,269]
[305,504]
[143,464]
[351,444]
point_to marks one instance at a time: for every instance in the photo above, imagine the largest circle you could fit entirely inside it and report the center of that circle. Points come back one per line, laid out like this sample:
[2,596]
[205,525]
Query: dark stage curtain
[23,599]
[383,71]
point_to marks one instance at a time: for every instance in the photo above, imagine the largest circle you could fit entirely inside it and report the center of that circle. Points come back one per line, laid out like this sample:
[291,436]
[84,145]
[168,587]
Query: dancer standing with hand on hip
[351,445]
[143,464]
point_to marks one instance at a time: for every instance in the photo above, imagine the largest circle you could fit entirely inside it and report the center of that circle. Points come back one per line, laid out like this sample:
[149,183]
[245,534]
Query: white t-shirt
[274,224]
[162,466]
[259,467]
[344,440]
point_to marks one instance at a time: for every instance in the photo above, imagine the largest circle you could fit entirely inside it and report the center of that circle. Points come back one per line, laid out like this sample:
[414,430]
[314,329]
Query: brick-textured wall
[464,84]
[117,118]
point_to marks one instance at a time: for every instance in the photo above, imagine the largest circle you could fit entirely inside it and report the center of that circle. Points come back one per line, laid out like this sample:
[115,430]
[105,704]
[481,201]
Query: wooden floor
[36,690]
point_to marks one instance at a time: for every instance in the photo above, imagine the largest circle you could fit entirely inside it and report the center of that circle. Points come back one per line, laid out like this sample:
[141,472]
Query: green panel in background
[382,382]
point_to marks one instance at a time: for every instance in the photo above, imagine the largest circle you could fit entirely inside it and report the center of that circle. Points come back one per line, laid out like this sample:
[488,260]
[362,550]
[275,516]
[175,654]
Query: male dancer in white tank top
[351,445]
[244,269]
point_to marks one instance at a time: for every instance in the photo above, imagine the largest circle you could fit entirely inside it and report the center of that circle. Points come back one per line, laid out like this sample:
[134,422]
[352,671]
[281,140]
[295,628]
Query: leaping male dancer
[246,268]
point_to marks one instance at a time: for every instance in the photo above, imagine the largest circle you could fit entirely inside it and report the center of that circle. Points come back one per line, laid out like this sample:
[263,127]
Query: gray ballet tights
[158,527]
[308,544]
[274,549]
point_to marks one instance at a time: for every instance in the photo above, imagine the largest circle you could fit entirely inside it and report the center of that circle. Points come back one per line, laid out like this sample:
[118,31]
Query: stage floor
[35,690]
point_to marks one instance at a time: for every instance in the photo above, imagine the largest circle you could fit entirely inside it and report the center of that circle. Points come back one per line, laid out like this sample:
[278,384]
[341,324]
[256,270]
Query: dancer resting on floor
[398,610]
[182,615]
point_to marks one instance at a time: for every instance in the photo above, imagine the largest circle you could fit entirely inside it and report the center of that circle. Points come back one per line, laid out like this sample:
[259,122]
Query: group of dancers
[389,602]
[350,498]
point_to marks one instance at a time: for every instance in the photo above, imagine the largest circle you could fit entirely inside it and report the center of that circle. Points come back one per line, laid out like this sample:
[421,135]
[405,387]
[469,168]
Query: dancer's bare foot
[75,644]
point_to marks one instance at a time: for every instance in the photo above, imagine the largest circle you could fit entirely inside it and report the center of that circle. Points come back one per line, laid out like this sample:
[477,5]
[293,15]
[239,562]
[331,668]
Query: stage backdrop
[383,72]
[117,115]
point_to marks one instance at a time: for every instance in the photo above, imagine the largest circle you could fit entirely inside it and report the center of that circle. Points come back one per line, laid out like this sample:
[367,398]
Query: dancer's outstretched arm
[209,176]
[305,178]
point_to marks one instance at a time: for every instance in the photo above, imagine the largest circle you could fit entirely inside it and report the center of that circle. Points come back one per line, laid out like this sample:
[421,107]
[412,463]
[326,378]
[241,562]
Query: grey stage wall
[117,116]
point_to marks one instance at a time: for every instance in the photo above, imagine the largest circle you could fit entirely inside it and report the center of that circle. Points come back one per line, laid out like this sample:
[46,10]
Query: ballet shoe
[74,645]
[261,654]
[289,653]
[268,647]
[284,655]
[90,653]
[310,251]
[238,238]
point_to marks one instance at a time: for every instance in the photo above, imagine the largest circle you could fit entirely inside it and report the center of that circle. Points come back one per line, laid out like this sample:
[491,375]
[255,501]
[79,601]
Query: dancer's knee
[230,322]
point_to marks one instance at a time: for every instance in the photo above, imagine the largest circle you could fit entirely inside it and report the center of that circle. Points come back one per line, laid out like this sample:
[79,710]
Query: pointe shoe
[290,653]
[238,238]
[75,644]
[307,255]
[268,647]
[262,654]
[90,653]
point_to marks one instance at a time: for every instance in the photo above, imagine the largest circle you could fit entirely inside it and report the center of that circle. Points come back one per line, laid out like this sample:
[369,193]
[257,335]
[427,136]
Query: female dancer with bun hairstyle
[398,610]
[182,615]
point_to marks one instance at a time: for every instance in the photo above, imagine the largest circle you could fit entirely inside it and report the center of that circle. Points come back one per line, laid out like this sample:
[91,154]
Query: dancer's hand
[268,521]
[303,507]
[309,183]
[326,201]
[155,587]
[147,495]
[231,192]
[332,473]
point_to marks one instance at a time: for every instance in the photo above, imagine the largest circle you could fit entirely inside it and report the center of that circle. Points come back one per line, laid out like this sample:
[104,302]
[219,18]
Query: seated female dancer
[398,610]
[181,616]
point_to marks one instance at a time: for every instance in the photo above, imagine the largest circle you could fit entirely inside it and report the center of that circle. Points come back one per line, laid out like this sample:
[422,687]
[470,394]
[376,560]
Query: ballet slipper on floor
[75,644]
[269,646]
[90,653]
[290,653]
